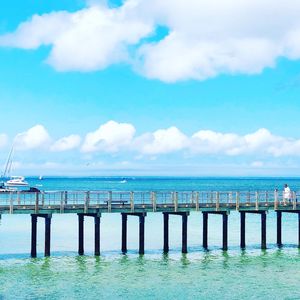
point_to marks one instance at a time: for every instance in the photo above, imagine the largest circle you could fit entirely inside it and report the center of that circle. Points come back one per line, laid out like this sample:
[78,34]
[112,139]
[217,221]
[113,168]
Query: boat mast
[8,165]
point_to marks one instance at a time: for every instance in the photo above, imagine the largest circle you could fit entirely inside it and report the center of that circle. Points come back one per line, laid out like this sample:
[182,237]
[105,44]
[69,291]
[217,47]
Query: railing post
[275,200]
[197,201]
[237,200]
[132,201]
[109,201]
[192,198]
[87,202]
[175,200]
[153,197]
[36,208]
[43,198]
[248,197]
[62,200]
[217,201]
[11,203]
[294,200]
[211,197]
[256,200]
[66,197]
[230,197]
[18,198]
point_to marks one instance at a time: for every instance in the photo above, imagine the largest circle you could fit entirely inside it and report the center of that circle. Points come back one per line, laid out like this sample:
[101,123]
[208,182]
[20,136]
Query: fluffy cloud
[261,142]
[205,37]
[109,137]
[162,141]
[35,137]
[66,143]
[211,142]
[113,137]
[87,40]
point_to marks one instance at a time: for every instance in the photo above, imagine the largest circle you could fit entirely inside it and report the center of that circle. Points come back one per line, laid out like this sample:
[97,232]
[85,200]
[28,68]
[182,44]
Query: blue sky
[77,90]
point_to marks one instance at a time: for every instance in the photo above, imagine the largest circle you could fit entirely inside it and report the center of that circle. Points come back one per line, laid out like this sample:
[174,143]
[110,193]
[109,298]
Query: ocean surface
[250,274]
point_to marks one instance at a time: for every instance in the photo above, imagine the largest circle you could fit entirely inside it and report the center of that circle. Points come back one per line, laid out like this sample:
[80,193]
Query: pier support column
[184,216]
[205,229]
[166,232]
[124,233]
[279,228]
[96,217]
[47,234]
[33,235]
[34,218]
[97,235]
[142,234]
[141,231]
[184,232]
[225,232]
[80,234]
[263,230]
[243,229]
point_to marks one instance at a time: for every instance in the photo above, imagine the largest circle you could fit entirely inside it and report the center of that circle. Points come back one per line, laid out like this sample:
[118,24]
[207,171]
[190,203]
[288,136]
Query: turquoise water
[213,274]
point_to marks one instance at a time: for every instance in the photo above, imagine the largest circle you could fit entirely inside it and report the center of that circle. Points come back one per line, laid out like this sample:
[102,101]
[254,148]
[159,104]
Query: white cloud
[206,37]
[260,142]
[161,141]
[120,139]
[35,137]
[66,143]
[109,137]
[3,140]
[211,142]
[87,40]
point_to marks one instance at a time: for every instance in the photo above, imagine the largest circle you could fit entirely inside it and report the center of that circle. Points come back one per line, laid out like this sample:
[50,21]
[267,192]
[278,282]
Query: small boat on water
[13,181]
[16,181]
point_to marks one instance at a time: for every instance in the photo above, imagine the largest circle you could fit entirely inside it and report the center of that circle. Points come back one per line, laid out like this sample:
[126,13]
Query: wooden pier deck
[139,203]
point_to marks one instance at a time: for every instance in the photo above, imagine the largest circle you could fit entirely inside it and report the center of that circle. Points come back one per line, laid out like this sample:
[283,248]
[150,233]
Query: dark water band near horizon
[250,274]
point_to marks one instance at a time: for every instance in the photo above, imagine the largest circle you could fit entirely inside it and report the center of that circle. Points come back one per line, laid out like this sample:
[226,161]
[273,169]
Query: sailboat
[14,181]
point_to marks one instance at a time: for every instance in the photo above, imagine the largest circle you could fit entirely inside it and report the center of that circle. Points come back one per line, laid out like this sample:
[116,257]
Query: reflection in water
[171,276]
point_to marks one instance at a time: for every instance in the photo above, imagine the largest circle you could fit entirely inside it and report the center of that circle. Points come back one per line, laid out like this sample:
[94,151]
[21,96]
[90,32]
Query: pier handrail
[154,200]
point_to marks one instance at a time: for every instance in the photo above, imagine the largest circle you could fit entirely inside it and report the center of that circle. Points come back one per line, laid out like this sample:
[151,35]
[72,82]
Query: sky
[136,87]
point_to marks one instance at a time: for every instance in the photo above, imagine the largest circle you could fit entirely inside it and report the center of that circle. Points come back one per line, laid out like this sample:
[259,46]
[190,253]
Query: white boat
[16,181]
[13,181]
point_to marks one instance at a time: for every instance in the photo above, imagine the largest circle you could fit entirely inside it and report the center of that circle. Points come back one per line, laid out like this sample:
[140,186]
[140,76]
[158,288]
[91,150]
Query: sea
[252,273]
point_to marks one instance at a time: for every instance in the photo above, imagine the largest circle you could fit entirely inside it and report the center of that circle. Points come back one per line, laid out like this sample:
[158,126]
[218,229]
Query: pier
[42,205]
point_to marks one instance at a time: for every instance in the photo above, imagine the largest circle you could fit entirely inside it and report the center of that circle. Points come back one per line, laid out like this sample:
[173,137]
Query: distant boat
[41,177]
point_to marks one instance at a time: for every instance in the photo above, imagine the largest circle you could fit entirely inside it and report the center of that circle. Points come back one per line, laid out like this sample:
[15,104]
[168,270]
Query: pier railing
[118,201]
